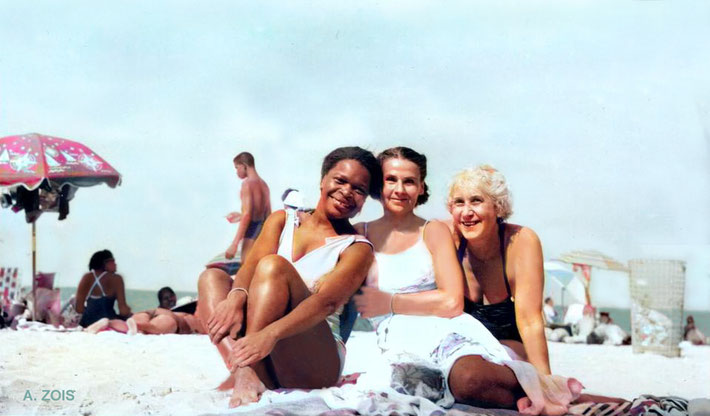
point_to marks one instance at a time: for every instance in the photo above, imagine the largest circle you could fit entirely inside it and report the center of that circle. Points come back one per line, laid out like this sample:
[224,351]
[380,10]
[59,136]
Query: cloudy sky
[598,113]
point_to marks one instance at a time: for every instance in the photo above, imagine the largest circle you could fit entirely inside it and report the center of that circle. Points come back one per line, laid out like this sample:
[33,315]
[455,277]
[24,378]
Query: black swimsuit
[499,318]
[97,307]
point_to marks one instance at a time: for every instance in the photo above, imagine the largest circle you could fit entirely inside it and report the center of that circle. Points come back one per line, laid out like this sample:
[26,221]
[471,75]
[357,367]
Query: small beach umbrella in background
[582,262]
[40,173]
[559,273]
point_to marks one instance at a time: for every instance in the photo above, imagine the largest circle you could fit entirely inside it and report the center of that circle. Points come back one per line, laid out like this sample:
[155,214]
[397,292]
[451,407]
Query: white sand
[113,373]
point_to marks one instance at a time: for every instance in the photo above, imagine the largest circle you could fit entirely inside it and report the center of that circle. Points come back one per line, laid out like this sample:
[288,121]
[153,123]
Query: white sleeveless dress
[421,350]
[313,266]
[425,341]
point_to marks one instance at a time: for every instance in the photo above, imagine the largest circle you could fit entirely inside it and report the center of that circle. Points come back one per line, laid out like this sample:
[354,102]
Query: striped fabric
[643,405]
[9,287]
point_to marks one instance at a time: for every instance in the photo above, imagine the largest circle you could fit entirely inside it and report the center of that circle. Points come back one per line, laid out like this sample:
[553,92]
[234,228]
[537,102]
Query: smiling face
[344,189]
[402,185]
[473,213]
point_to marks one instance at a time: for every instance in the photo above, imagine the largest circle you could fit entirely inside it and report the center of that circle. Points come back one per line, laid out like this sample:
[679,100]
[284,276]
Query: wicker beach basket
[657,292]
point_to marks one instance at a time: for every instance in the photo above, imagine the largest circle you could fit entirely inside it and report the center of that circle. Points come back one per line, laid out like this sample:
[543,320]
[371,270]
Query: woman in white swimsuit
[419,299]
[276,322]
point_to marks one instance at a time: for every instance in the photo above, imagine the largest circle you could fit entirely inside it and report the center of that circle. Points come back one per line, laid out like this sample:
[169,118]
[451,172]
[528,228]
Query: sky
[598,113]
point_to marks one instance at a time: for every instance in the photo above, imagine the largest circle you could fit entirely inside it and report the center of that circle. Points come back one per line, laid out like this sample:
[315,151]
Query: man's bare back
[256,205]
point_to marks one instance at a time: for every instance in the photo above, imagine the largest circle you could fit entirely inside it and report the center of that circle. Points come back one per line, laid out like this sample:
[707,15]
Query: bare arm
[445,301]
[529,282]
[123,308]
[244,220]
[82,292]
[337,287]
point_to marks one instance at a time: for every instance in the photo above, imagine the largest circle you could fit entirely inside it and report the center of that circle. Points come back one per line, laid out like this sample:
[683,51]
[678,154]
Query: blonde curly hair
[488,180]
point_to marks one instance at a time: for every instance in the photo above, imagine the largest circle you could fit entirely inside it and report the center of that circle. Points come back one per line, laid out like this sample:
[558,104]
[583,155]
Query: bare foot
[227,384]
[247,387]
[132,326]
[97,326]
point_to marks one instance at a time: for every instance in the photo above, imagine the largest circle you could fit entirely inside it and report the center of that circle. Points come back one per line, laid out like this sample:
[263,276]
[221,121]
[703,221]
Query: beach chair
[9,287]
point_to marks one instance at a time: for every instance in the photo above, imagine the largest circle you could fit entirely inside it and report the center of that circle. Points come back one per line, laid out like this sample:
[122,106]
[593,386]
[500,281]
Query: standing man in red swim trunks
[256,205]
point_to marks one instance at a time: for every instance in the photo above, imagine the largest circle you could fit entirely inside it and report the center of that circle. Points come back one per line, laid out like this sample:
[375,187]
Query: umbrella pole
[34,271]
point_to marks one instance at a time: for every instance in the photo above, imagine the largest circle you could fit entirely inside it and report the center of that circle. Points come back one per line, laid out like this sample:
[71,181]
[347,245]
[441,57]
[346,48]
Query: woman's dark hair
[413,156]
[98,259]
[366,159]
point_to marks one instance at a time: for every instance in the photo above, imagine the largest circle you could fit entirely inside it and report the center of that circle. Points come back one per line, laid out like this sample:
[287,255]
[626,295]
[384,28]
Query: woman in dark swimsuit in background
[100,289]
[502,262]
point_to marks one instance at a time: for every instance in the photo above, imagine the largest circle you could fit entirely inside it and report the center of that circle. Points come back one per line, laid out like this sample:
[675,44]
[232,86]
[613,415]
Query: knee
[210,277]
[269,269]
[466,380]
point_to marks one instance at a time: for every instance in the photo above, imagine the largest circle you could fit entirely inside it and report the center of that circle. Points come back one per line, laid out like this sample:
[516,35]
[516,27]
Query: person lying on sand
[154,322]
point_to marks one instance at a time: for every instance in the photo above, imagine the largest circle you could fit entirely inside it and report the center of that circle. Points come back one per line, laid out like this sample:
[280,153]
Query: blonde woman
[502,262]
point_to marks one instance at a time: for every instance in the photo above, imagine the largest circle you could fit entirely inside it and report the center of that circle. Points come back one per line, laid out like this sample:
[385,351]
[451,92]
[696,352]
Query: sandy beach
[112,373]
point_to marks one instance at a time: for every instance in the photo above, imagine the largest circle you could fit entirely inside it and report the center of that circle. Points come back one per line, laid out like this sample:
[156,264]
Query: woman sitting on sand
[502,263]
[100,289]
[420,283]
[285,300]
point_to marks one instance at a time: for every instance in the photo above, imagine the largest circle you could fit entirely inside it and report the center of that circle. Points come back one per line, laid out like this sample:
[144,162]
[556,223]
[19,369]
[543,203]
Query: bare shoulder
[436,230]
[276,218]
[437,234]
[449,224]
[86,279]
[264,186]
[522,236]
[359,251]
[524,244]
[117,278]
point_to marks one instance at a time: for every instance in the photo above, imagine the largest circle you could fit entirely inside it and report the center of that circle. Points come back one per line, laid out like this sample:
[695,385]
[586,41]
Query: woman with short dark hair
[100,289]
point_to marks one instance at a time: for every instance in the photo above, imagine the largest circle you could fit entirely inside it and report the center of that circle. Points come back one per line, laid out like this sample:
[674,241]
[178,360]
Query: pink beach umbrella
[33,160]
[29,159]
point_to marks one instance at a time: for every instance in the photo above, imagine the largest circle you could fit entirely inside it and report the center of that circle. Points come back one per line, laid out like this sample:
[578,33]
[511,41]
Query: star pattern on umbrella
[90,162]
[23,163]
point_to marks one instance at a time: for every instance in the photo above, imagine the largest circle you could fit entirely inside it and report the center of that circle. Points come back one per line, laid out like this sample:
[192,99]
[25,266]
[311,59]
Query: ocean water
[140,300]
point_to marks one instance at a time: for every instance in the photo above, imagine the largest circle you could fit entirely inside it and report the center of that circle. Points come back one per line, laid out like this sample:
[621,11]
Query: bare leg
[275,290]
[97,326]
[247,244]
[477,382]
[137,318]
[212,288]
[161,324]
[306,360]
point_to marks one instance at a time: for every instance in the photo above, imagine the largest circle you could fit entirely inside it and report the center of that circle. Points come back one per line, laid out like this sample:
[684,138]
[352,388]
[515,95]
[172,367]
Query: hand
[373,302]
[231,251]
[227,318]
[233,217]
[252,348]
